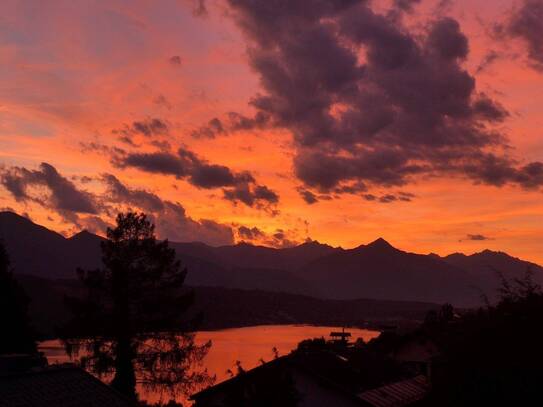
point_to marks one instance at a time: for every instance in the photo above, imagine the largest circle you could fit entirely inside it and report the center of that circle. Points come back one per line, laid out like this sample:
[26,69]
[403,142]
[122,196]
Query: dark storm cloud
[369,101]
[526,23]
[62,195]
[247,233]
[237,186]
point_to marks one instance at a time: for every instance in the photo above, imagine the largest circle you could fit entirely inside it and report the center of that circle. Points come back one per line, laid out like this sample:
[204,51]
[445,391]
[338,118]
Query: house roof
[328,369]
[60,386]
[397,394]
[239,378]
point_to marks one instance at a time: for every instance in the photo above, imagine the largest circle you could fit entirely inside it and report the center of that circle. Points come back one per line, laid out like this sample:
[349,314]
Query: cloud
[252,195]
[156,163]
[95,212]
[279,238]
[308,196]
[490,57]
[169,217]
[118,192]
[526,23]
[406,5]
[372,102]
[94,224]
[161,100]
[233,122]
[253,233]
[61,194]
[175,60]
[282,239]
[388,198]
[149,127]
[475,237]
[199,8]
[237,186]
[213,128]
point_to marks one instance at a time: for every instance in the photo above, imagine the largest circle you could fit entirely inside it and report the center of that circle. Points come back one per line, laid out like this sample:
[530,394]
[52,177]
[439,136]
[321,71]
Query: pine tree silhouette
[131,322]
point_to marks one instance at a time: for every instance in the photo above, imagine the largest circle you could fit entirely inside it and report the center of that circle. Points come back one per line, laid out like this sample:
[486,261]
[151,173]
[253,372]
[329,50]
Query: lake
[248,345]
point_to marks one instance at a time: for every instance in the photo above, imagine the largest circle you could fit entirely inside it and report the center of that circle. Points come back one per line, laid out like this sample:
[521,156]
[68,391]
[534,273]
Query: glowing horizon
[100,92]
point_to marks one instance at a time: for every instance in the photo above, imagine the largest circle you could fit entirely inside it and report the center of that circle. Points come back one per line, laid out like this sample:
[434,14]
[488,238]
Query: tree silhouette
[17,336]
[130,325]
[493,355]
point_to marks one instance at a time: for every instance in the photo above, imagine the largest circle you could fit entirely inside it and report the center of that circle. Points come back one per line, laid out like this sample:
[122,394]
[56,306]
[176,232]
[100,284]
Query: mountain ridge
[374,270]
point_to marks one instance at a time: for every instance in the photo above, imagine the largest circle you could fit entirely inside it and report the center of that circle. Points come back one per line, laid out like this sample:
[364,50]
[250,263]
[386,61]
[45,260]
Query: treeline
[223,308]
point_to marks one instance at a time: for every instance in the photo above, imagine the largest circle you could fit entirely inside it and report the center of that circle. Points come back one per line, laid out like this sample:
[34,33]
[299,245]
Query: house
[340,337]
[318,377]
[417,354]
[25,381]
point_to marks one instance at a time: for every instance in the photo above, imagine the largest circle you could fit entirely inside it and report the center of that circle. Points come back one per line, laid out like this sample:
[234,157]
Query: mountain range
[376,270]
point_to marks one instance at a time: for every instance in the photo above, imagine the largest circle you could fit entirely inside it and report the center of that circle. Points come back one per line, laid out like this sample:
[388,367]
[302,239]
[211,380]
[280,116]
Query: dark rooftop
[350,372]
[402,393]
[58,386]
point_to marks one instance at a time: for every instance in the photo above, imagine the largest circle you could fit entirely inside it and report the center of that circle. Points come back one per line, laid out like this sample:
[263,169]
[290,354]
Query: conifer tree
[131,323]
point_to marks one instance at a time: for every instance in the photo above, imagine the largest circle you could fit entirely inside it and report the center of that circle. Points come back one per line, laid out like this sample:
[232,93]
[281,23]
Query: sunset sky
[277,121]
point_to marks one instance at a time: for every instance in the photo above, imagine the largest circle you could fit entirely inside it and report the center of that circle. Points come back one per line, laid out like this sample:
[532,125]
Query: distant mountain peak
[84,235]
[380,243]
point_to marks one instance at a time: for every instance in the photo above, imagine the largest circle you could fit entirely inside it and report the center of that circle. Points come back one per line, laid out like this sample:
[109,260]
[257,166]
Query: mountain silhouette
[379,270]
[375,270]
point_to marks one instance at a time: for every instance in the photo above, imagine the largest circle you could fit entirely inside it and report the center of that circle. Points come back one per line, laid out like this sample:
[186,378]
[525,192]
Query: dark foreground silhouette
[130,323]
[491,356]
[17,336]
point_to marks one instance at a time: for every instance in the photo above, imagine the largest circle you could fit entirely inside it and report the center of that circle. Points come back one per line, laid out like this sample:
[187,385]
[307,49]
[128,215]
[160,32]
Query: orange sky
[73,72]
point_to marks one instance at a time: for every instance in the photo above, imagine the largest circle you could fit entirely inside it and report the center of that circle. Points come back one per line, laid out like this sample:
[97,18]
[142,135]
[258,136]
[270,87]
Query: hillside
[229,308]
